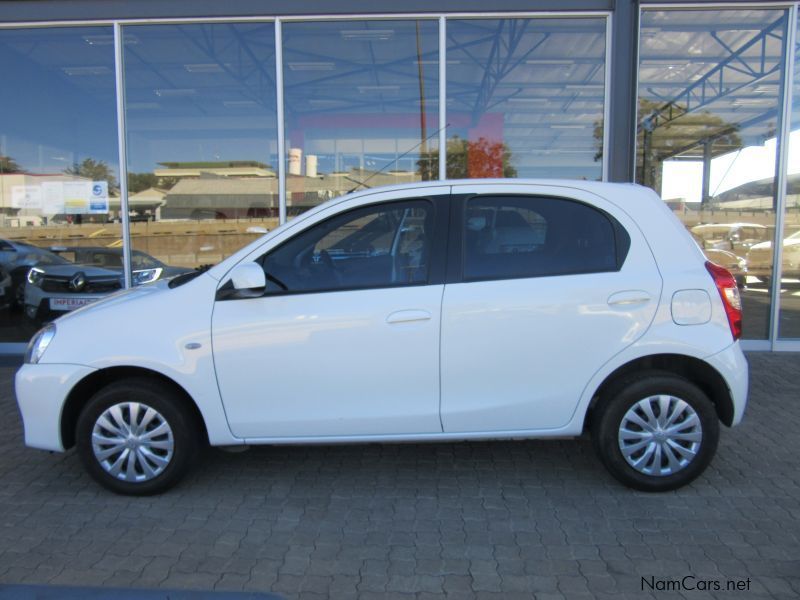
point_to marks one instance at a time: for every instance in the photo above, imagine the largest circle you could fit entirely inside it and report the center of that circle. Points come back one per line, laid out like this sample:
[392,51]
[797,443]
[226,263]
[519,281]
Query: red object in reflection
[484,159]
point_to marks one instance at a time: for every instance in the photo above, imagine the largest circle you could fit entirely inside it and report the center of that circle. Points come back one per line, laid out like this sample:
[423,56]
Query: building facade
[184,130]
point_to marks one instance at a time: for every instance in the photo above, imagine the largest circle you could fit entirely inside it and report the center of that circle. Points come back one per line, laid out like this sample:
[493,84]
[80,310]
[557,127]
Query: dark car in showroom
[86,275]
[16,259]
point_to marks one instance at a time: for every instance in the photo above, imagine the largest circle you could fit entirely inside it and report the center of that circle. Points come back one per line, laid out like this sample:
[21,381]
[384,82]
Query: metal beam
[53,10]
[714,84]
[781,171]
[771,114]
[621,146]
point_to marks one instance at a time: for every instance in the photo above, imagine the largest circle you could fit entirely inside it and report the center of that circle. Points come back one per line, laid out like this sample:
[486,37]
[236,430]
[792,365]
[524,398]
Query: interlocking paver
[449,521]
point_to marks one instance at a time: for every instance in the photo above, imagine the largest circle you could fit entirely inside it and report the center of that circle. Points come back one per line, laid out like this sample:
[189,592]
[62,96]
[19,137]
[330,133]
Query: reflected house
[217,190]
[146,203]
[211,196]
[233,168]
[303,193]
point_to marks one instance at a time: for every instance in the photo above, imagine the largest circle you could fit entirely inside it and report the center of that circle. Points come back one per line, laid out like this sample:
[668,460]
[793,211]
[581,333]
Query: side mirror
[248,276]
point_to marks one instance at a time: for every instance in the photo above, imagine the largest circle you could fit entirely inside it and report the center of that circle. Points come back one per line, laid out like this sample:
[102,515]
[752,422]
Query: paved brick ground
[480,520]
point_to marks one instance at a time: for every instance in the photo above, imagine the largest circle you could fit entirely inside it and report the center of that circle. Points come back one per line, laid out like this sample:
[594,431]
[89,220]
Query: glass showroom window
[709,111]
[59,172]
[202,141]
[789,321]
[361,106]
[525,97]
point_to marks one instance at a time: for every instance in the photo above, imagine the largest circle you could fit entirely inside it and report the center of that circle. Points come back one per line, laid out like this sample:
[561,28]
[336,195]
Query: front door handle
[408,316]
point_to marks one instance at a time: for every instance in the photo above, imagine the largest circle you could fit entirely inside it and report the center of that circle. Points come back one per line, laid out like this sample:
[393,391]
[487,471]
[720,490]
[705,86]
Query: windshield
[711,233]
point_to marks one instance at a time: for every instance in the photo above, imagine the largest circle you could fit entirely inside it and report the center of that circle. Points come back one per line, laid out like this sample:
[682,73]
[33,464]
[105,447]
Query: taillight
[729,292]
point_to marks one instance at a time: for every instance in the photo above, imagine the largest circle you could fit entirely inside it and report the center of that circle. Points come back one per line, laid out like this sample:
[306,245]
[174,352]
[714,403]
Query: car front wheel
[136,437]
[655,431]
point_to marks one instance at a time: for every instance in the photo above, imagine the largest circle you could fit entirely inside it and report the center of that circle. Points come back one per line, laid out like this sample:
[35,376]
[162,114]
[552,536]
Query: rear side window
[523,236]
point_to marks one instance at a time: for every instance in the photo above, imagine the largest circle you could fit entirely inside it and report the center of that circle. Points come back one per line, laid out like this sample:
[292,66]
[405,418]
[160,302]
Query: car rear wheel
[655,431]
[136,437]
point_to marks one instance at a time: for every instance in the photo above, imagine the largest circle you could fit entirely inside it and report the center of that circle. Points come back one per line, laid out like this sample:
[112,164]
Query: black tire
[32,314]
[612,409]
[18,280]
[170,409]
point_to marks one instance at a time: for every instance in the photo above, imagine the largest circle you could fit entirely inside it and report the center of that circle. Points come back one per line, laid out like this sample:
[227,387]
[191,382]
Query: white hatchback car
[438,311]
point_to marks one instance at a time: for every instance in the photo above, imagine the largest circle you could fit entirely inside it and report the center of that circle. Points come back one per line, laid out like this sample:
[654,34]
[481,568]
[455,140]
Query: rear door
[544,286]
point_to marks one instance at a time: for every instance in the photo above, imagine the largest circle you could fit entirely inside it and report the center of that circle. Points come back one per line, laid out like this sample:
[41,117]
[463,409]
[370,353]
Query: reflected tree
[9,165]
[138,182]
[670,131]
[469,159]
[96,170]
[701,135]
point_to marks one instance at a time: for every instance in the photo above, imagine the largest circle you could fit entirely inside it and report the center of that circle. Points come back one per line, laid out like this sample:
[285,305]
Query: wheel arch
[699,372]
[95,381]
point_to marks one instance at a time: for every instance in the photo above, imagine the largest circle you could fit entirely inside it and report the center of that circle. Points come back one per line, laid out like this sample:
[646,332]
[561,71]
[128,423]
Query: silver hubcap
[660,435]
[132,442]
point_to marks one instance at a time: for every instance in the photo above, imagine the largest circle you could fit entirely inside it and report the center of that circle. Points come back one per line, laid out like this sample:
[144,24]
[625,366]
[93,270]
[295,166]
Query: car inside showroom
[183,133]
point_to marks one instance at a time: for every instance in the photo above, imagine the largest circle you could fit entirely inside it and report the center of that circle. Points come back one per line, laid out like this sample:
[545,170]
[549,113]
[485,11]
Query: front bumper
[41,391]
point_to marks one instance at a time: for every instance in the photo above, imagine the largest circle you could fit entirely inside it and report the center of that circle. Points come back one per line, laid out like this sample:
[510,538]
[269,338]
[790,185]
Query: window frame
[438,204]
[456,267]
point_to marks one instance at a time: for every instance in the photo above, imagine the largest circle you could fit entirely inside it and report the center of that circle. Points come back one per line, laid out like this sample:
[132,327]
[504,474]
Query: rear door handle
[629,298]
[408,316]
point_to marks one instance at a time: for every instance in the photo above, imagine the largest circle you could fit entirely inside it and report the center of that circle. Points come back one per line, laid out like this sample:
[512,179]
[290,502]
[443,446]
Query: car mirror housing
[248,276]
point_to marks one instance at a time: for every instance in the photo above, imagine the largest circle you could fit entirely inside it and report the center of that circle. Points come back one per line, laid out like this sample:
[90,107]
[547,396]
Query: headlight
[146,275]
[35,277]
[39,344]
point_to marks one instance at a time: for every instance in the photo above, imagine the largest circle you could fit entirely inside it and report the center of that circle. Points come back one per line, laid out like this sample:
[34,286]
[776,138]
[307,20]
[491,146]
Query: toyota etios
[438,311]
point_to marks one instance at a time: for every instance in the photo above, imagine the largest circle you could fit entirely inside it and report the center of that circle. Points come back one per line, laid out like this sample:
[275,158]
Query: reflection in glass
[58,172]
[201,131]
[375,246]
[789,319]
[361,104]
[525,97]
[709,107]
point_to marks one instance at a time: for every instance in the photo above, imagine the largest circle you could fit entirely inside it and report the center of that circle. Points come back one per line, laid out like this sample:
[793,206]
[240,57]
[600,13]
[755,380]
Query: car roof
[729,225]
[592,186]
[90,249]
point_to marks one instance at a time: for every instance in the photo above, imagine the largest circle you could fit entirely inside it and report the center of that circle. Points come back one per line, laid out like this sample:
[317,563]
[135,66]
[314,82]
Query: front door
[344,340]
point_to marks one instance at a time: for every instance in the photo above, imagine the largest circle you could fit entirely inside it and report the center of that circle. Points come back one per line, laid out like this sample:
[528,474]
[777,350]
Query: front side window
[375,246]
[140,260]
[516,236]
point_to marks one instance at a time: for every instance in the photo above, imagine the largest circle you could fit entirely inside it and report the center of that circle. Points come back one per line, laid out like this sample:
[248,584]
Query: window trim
[438,251]
[457,248]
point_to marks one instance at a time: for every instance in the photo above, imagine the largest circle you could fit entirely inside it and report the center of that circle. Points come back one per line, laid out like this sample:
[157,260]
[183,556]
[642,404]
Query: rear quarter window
[527,236]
